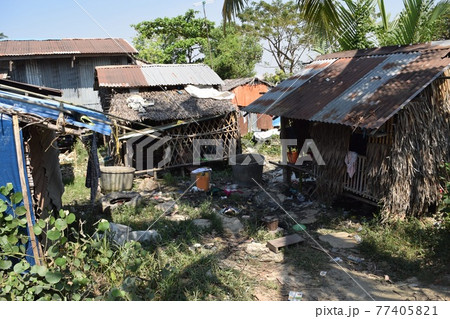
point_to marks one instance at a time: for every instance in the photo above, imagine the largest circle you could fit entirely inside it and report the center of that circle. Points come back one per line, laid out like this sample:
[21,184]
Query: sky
[56,19]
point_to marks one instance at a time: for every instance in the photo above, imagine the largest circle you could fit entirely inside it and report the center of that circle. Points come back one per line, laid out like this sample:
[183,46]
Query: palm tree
[321,16]
[231,8]
[418,22]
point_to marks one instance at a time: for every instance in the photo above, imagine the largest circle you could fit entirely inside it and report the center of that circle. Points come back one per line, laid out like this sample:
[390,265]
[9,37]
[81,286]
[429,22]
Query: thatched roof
[168,105]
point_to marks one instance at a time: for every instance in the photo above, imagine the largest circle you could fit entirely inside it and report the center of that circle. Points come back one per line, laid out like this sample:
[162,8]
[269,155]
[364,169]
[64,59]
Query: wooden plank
[23,185]
[278,243]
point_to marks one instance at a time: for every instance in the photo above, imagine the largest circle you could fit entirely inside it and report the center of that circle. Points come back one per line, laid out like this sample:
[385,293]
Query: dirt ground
[275,278]
[307,267]
[298,268]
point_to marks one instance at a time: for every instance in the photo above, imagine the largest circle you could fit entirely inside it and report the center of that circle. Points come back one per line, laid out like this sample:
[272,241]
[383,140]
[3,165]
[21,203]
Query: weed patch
[410,248]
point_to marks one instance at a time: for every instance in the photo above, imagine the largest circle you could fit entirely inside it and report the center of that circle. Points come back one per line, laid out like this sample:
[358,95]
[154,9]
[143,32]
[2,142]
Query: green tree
[2,36]
[234,54]
[280,25]
[181,39]
[277,77]
[184,39]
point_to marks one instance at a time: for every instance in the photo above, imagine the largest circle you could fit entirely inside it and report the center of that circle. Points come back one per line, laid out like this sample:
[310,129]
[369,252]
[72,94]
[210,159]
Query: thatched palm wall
[406,178]
[332,141]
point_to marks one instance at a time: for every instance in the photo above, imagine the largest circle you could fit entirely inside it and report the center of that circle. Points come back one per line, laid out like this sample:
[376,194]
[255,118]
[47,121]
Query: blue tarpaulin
[9,169]
[50,109]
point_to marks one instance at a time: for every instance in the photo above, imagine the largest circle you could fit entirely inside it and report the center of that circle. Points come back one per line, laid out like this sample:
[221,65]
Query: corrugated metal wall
[76,83]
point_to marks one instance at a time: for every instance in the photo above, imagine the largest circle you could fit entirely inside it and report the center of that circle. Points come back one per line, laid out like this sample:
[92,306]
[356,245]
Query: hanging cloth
[350,161]
[93,168]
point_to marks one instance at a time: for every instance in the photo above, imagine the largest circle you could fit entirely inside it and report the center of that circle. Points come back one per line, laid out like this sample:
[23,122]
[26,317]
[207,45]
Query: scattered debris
[271,222]
[358,239]
[230,211]
[299,227]
[209,246]
[337,259]
[355,259]
[142,236]
[113,200]
[278,243]
[295,296]
[231,189]
[323,273]
[122,234]
[195,247]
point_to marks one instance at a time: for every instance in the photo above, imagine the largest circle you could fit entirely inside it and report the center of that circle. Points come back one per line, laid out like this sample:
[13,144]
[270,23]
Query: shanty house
[65,64]
[380,119]
[173,106]
[29,123]
[246,91]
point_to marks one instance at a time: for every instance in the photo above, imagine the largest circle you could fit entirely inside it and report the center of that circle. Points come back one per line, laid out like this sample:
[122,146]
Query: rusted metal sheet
[314,95]
[398,91]
[17,48]
[435,45]
[246,94]
[120,76]
[157,75]
[266,102]
[362,91]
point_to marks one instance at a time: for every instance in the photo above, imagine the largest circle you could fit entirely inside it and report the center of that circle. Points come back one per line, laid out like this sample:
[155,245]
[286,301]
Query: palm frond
[231,8]
[384,15]
[355,24]
[320,15]
[417,21]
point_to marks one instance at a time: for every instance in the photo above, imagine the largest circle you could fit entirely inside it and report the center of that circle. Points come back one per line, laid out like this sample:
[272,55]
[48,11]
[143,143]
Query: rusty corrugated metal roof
[357,89]
[134,76]
[18,48]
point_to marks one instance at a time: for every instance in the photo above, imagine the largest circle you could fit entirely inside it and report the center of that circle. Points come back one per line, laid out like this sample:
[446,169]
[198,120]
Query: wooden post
[23,184]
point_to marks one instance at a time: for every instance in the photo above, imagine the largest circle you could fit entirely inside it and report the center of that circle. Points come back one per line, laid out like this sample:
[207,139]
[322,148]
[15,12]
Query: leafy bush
[83,268]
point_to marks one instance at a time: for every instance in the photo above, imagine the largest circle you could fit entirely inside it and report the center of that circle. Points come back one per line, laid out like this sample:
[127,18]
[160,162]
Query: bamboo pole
[23,184]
